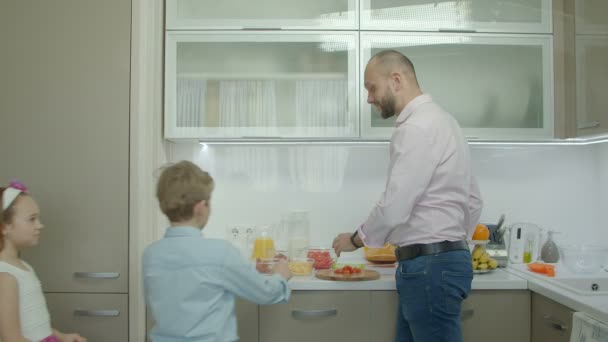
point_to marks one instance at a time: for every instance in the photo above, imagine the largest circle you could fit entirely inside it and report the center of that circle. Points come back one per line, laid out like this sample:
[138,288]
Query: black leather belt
[419,249]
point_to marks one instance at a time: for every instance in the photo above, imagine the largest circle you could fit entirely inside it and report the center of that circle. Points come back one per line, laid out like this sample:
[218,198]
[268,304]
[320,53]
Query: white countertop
[515,277]
[499,279]
[595,306]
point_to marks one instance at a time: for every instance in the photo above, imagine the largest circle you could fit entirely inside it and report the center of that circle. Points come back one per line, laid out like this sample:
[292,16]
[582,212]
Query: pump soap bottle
[549,253]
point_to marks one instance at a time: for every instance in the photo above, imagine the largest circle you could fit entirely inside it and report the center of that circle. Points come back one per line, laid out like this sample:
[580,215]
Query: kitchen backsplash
[553,186]
[602,169]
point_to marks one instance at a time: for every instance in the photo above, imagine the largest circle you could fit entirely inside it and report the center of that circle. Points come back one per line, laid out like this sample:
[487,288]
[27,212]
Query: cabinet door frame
[173,21]
[545,26]
[397,39]
[194,133]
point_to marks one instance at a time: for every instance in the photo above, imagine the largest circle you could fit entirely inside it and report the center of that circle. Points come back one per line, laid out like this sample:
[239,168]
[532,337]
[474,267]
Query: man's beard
[387,106]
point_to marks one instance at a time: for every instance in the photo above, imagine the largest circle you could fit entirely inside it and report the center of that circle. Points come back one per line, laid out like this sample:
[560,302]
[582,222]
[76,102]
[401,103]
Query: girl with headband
[24,316]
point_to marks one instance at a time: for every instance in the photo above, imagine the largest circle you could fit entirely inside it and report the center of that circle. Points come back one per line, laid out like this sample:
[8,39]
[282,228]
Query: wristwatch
[352,239]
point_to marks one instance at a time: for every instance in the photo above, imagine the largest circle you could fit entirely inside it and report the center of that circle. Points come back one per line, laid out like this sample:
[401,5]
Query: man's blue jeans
[431,290]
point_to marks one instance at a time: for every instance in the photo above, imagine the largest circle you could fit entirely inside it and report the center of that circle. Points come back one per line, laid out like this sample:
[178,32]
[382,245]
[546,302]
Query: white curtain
[322,104]
[248,104]
[191,107]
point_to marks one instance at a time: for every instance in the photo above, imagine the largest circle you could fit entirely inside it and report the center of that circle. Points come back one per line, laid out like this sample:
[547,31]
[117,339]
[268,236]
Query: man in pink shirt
[429,208]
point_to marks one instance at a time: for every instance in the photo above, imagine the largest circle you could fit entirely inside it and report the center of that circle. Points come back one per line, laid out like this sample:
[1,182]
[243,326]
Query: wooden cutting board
[364,275]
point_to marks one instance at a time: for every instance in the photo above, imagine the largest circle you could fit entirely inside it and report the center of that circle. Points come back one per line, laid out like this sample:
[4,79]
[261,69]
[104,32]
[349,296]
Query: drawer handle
[97,275]
[555,324]
[97,313]
[588,125]
[304,314]
[466,314]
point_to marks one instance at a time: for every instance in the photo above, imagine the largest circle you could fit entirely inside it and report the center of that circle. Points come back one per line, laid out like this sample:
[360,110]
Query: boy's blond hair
[180,187]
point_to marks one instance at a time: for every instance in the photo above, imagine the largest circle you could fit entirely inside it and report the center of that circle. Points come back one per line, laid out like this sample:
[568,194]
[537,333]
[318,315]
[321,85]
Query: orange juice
[263,247]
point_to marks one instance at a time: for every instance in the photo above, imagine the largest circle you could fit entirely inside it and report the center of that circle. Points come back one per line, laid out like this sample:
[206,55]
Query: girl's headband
[11,192]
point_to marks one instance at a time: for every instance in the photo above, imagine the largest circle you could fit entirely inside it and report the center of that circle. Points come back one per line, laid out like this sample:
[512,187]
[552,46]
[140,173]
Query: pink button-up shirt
[430,195]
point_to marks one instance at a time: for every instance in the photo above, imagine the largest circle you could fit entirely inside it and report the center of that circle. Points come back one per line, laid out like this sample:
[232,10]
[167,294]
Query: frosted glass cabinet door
[510,16]
[285,14]
[591,16]
[592,84]
[261,85]
[496,86]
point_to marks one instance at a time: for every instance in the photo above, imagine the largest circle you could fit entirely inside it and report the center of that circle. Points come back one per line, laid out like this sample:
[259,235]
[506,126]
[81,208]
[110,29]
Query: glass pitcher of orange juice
[263,245]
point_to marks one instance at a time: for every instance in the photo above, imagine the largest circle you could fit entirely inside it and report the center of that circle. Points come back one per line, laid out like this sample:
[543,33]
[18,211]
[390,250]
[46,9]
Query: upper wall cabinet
[226,84]
[591,84]
[496,86]
[591,16]
[509,16]
[262,14]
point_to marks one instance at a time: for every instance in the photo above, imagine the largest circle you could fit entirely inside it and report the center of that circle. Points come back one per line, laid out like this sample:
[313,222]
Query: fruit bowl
[481,261]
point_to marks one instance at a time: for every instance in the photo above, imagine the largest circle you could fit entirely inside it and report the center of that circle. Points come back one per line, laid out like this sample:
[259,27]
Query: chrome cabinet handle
[466,314]
[97,313]
[555,324]
[304,314]
[97,275]
[587,125]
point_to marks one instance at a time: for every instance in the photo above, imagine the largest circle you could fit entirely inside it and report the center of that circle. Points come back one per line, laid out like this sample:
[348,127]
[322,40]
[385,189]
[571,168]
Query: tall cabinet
[64,131]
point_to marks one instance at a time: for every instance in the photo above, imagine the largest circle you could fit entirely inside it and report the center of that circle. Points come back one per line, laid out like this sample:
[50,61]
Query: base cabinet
[484,316]
[318,316]
[246,318]
[551,321]
[98,317]
[497,316]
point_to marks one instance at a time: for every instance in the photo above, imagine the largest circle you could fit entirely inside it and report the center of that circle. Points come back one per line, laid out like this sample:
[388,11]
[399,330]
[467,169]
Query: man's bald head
[388,61]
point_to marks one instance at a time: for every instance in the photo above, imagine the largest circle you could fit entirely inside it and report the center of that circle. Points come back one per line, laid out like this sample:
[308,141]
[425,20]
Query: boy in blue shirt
[191,282]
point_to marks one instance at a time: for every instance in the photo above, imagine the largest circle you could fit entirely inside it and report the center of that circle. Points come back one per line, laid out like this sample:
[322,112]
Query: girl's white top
[33,312]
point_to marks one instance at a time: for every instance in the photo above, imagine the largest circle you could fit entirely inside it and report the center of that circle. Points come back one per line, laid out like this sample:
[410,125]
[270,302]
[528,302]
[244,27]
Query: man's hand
[342,243]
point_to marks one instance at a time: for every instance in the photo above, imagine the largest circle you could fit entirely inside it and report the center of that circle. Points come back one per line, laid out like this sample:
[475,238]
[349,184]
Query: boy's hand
[283,269]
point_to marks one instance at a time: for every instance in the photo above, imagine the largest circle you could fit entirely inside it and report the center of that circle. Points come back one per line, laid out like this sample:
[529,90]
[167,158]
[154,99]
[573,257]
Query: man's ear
[396,80]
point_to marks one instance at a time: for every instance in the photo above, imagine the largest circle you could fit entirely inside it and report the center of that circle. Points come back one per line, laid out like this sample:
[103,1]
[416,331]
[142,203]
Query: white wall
[602,204]
[553,186]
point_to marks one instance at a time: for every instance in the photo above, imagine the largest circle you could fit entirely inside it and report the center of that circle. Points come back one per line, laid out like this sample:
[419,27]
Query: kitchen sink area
[584,286]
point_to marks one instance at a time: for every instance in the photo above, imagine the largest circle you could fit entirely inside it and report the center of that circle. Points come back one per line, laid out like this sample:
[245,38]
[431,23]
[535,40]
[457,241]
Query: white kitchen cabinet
[496,86]
[483,316]
[262,14]
[508,16]
[591,16]
[318,316]
[551,321]
[225,84]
